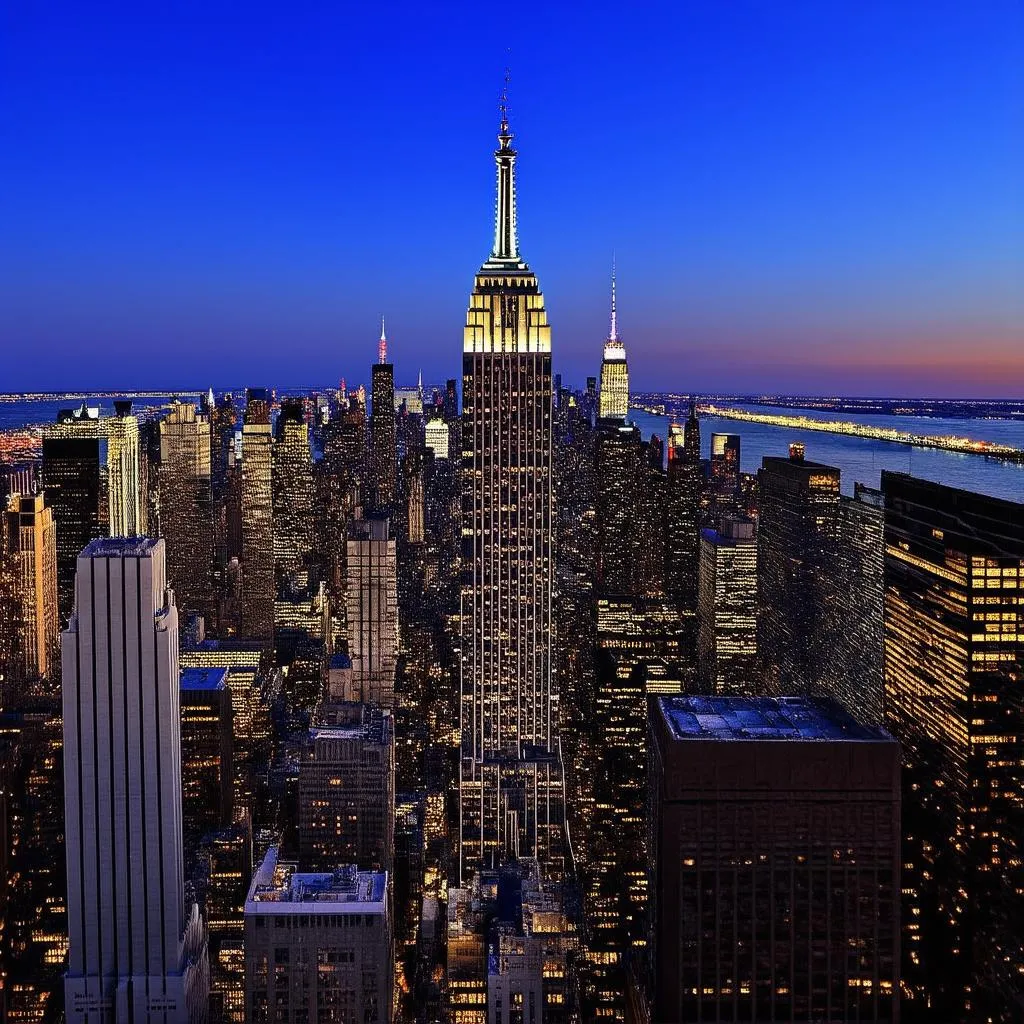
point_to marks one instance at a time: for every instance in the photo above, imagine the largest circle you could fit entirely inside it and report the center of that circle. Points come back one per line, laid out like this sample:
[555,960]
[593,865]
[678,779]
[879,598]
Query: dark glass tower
[954,663]
[511,779]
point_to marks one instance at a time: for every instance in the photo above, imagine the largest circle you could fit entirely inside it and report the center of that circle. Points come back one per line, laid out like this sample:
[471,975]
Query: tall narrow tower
[511,789]
[613,402]
[383,437]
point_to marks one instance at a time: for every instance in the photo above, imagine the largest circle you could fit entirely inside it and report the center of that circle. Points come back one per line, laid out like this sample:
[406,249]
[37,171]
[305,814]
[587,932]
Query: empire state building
[511,779]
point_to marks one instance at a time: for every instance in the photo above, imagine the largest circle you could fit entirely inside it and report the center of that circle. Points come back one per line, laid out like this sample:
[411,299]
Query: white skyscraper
[511,777]
[133,954]
[371,603]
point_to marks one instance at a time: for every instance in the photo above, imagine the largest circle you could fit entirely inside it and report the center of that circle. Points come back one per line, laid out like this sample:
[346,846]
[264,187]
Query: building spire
[614,336]
[382,345]
[506,243]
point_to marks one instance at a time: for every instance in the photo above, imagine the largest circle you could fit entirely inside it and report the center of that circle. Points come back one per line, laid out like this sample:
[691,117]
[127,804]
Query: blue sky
[800,196]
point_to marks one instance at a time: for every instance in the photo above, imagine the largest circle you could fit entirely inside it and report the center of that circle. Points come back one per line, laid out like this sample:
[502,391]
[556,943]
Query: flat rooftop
[204,678]
[278,888]
[695,717]
[120,547]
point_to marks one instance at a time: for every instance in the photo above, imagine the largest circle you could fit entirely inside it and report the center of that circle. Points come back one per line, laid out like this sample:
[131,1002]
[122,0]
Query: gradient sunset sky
[801,197]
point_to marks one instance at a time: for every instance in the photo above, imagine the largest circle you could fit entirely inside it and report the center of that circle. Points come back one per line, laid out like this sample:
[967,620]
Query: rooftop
[120,547]
[204,678]
[762,718]
[279,888]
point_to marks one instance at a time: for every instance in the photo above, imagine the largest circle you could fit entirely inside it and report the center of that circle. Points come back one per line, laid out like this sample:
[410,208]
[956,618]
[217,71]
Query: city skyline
[793,200]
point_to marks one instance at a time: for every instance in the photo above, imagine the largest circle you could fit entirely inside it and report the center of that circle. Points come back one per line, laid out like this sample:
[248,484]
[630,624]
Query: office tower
[91,474]
[317,945]
[412,472]
[510,785]
[223,426]
[31,541]
[347,792]
[954,653]
[725,465]
[257,511]
[437,438]
[853,671]
[372,610]
[727,609]
[207,751]
[383,439]
[293,495]
[614,398]
[797,536]
[186,507]
[775,862]
[133,955]
[683,514]
[619,484]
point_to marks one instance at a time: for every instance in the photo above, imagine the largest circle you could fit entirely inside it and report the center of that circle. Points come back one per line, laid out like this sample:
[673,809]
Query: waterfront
[862,460]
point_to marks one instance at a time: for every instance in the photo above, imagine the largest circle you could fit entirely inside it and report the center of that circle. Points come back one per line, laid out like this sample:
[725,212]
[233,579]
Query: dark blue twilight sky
[820,196]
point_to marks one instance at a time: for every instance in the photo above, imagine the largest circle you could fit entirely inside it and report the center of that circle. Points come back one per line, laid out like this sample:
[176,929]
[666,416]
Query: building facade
[727,609]
[257,519]
[954,661]
[775,862]
[133,953]
[372,610]
[318,946]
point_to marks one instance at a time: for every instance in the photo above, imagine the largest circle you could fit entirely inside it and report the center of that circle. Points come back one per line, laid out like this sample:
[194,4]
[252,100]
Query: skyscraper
[725,464]
[613,402]
[91,474]
[797,530]
[775,862]
[31,540]
[293,496]
[954,661]
[186,506]
[727,609]
[258,585]
[372,610]
[133,954]
[347,792]
[383,437]
[511,779]
[620,479]
[683,512]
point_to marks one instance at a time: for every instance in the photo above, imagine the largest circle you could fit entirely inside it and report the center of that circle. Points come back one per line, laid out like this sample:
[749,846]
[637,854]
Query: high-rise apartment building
[133,953]
[186,507]
[347,793]
[797,528]
[31,542]
[258,584]
[372,610]
[293,496]
[727,609]
[725,465]
[383,433]
[613,402]
[511,776]
[317,945]
[954,663]
[92,476]
[775,862]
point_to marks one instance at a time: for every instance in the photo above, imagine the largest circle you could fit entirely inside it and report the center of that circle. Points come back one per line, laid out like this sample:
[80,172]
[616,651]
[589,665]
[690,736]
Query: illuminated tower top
[614,398]
[382,345]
